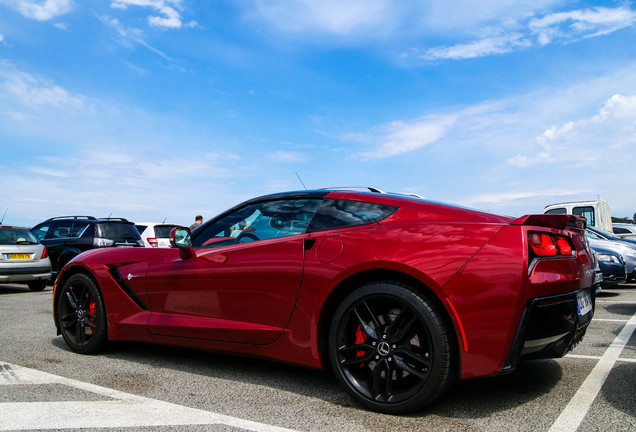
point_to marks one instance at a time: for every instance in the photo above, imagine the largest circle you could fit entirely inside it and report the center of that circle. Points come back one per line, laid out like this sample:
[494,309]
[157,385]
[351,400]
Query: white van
[597,212]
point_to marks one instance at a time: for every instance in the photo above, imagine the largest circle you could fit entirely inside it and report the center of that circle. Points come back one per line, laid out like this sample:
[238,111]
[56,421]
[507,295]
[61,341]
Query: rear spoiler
[552,221]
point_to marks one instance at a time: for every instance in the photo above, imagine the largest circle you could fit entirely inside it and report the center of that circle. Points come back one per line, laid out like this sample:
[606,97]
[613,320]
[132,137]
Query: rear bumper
[549,327]
[23,274]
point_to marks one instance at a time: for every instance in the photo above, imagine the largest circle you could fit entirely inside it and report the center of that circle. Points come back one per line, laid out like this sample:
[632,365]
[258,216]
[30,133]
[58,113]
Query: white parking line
[575,411]
[124,410]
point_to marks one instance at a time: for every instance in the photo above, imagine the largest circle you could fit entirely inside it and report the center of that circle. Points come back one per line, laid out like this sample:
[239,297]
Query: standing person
[197,222]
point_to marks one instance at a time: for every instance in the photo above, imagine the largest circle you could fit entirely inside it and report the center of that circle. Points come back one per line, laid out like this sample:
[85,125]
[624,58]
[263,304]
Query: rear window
[587,212]
[334,213]
[12,236]
[163,231]
[116,231]
[559,210]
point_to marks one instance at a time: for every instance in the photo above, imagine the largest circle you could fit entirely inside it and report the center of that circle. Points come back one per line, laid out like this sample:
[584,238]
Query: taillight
[542,244]
[546,245]
[45,253]
[153,242]
[564,246]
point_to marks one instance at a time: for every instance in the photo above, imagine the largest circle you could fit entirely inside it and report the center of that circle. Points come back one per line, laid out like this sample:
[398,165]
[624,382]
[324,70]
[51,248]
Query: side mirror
[180,238]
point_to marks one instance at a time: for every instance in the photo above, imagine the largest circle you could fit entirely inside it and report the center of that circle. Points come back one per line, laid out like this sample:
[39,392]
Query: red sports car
[398,295]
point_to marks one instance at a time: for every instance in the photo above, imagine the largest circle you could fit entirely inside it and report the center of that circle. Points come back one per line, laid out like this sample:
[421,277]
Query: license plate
[584,302]
[18,256]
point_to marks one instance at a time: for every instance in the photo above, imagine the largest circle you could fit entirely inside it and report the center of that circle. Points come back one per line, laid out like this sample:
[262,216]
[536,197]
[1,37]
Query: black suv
[67,236]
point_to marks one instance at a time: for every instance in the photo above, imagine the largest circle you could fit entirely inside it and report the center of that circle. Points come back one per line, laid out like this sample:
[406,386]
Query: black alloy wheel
[390,347]
[81,315]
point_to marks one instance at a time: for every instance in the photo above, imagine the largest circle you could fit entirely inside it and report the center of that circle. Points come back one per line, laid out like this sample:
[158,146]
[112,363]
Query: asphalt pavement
[139,387]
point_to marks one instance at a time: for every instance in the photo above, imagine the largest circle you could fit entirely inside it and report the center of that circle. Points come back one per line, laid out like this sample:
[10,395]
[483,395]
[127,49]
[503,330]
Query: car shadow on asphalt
[466,399]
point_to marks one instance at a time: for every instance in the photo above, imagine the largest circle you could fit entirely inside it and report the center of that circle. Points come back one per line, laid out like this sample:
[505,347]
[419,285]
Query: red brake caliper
[361,337]
[93,310]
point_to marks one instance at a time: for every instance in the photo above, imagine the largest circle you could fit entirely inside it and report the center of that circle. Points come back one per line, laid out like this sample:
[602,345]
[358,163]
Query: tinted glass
[13,236]
[40,232]
[334,213]
[559,210]
[61,229]
[78,229]
[163,231]
[587,212]
[258,221]
[116,231]
[621,231]
[141,228]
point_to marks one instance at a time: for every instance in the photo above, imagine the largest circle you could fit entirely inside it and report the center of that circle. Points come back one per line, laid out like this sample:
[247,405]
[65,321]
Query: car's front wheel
[390,347]
[81,315]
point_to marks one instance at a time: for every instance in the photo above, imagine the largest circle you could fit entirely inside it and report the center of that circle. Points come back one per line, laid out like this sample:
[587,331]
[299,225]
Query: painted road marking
[575,411]
[124,410]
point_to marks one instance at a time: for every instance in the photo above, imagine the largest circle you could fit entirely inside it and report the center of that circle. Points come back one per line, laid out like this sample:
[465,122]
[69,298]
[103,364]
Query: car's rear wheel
[390,347]
[81,315]
[37,285]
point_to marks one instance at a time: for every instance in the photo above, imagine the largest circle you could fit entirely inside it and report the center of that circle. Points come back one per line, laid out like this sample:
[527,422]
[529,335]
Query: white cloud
[1,37]
[326,16]
[401,137]
[41,10]
[33,92]
[128,37]
[287,157]
[511,35]
[168,10]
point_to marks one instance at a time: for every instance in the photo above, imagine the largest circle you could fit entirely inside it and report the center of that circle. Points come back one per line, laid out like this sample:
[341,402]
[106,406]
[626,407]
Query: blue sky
[153,109]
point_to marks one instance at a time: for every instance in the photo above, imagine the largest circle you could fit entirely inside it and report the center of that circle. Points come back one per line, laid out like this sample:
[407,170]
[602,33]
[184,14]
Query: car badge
[130,276]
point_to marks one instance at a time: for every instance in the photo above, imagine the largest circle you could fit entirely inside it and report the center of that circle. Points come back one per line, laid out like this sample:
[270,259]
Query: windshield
[117,231]
[13,236]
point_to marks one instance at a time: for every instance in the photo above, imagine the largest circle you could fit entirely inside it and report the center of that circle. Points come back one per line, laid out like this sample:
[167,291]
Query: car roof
[88,219]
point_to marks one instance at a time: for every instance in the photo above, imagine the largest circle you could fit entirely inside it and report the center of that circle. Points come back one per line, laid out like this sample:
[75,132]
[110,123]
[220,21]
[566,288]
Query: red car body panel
[270,298]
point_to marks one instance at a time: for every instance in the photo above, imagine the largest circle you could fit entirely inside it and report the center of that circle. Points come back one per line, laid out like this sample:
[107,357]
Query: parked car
[67,236]
[23,259]
[612,265]
[611,236]
[155,234]
[398,295]
[625,250]
[625,230]
[596,212]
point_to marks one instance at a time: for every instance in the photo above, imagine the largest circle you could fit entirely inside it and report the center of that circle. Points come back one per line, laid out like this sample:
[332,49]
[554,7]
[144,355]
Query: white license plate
[584,302]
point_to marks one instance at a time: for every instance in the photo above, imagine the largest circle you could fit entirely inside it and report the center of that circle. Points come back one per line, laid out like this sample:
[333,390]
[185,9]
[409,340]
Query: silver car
[23,259]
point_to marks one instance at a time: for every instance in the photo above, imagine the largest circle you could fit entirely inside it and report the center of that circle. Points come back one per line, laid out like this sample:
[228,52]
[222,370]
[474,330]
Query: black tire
[388,329]
[37,285]
[81,315]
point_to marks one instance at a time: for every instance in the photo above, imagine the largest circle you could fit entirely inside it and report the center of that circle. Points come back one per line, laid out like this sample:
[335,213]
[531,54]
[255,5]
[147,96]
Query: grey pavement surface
[155,388]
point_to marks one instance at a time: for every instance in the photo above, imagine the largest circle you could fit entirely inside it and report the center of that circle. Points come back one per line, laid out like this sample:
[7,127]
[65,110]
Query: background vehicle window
[586,211]
[559,210]
[61,229]
[40,232]
[78,229]
[117,231]
[10,236]
[163,231]
[334,213]
[621,231]
[141,228]
[258,221]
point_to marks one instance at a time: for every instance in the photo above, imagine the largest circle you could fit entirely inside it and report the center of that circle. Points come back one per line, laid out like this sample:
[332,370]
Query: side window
[61,229]
[586,211]
[559,210]
[40,232]
[78,229]
[259,221]
[621,231]
[334,213]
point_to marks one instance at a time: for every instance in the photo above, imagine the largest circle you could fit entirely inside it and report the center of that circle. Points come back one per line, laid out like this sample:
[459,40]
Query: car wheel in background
[81,315]
[37,285]
[390,347]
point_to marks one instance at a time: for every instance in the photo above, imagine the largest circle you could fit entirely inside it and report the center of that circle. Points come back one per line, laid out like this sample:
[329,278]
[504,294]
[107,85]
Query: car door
[242,282]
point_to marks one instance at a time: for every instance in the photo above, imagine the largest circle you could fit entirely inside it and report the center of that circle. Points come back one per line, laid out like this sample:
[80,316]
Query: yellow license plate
[19,256]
